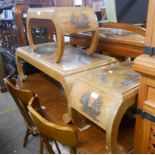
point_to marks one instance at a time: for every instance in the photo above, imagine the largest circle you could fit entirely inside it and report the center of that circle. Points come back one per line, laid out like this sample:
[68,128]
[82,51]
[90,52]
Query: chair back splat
[21,98]
[50,131]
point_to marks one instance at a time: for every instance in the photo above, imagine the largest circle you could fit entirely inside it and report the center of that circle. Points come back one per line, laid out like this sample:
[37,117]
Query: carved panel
[152,139]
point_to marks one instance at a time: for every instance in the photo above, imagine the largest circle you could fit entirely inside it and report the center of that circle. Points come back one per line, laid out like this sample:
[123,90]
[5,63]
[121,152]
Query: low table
[104,95]
[75,62]
[113,42]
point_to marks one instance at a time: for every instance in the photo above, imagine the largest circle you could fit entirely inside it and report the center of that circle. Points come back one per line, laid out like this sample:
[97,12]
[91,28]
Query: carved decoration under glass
[103,95]
[92,108]
[82,22]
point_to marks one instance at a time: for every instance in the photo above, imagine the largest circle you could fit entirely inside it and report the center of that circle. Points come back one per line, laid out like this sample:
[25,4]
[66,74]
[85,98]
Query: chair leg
[26,137]
[57,147]
[41,145]
[72,150]
[48,146]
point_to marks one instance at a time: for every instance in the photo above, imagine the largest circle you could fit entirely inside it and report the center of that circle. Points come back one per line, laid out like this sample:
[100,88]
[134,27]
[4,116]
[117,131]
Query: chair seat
[52,97]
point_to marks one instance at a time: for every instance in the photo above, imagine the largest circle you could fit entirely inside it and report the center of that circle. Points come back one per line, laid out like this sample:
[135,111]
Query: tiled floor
[12,129]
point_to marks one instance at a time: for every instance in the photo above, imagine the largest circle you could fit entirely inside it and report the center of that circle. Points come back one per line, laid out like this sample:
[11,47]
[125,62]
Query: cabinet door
[145,136]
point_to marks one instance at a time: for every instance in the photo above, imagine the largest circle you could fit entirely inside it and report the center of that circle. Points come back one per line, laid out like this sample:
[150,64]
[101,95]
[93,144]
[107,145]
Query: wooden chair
[21,98]
[52,132]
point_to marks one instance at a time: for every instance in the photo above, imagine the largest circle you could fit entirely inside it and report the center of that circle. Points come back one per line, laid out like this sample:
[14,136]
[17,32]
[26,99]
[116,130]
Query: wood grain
[114,41]
[66,20]
[144,64]
[52,96]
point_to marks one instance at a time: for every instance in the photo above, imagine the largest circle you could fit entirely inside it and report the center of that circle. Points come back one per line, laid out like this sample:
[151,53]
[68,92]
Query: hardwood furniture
[74,21]
[125,26]
[67,78]
[144,64]
[44,27]
[9,42]
[71,63]
[52,132]
[145,121]
[8,37]
[13,35]
[74,61]
[116,39]
[21,98]
[91,141]
[20,9]
[104,95]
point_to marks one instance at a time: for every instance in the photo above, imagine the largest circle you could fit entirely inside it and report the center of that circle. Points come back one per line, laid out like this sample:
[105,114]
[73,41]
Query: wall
[65,3]
[131,11]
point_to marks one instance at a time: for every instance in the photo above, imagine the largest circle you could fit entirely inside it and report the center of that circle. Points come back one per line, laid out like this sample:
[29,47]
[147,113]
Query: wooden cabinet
[145,64]
[145,126]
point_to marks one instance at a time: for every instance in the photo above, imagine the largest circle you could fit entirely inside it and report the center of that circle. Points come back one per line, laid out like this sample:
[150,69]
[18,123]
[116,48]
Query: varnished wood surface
[66,20]
[66,73]
[122,36]
[53,98]
[51,131]
[18,14]
[104,95]
[21,98]
[145,61]
[125,26]
[74,62]
[113,41]
[144,140]
[50,95]
[144,131]
[21,9]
